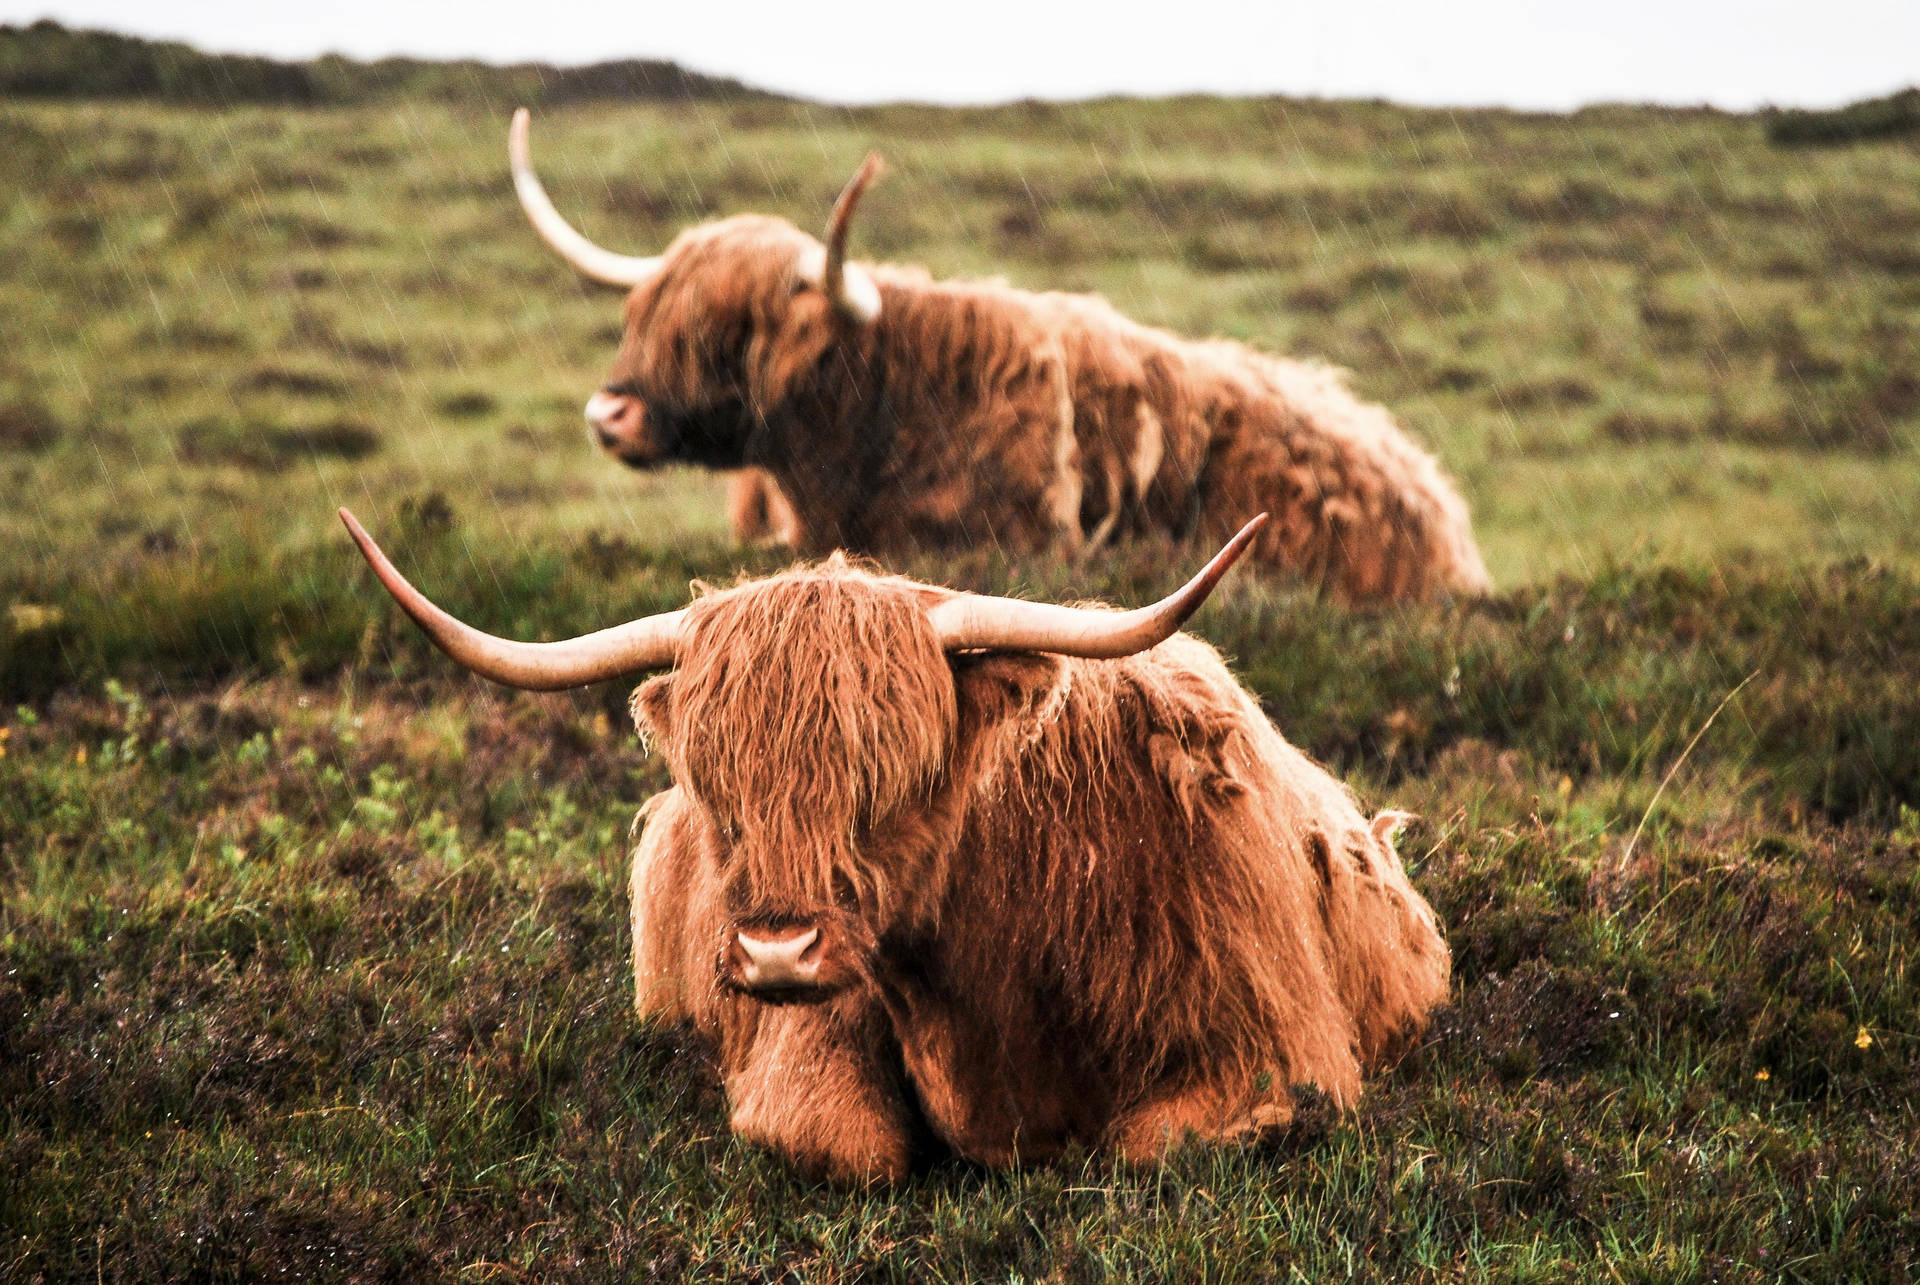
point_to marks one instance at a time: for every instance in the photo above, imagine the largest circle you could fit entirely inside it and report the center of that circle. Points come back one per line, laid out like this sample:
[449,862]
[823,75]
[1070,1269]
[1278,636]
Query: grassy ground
[312,954]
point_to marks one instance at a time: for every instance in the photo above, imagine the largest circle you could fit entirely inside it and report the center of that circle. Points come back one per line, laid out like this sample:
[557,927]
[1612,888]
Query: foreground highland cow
[893,410]
[993,875]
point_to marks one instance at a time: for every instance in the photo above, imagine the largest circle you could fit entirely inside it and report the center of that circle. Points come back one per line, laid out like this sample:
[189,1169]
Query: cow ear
[652,709]
[1010,690]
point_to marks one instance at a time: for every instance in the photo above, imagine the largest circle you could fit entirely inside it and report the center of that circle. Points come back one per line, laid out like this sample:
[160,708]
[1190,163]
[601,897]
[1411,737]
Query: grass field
[313,953]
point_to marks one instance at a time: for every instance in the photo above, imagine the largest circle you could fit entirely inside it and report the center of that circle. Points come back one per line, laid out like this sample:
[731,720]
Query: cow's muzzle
[617,424]
[790,963]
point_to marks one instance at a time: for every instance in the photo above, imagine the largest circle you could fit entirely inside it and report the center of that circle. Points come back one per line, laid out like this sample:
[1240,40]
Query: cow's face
[693,380]
[718,328]
[829,743]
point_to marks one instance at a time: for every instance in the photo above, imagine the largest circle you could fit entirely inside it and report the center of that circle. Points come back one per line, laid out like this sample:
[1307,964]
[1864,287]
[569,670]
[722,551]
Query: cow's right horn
[587,258]
[970,622]
[631,648]
[846,285]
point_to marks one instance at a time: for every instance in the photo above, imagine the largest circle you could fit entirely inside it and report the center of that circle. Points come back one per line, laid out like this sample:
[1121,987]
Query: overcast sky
[1734,54]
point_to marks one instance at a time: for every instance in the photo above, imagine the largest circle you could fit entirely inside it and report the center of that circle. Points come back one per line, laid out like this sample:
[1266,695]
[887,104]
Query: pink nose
[777,957]
[612,417]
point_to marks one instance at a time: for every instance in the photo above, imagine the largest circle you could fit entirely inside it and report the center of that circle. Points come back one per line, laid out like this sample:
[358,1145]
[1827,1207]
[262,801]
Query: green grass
[1630,334]
[313,952]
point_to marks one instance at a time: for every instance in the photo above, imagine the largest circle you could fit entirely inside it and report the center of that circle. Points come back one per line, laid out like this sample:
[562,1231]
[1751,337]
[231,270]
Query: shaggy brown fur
[1095,902]
[974,412]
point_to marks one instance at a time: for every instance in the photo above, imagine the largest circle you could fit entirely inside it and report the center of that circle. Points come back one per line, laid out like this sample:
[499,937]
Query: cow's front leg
[819,1083]
[1202,1113]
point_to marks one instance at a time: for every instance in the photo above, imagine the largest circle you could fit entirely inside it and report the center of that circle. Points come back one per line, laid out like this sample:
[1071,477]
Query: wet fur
[972,412]
[1091,902]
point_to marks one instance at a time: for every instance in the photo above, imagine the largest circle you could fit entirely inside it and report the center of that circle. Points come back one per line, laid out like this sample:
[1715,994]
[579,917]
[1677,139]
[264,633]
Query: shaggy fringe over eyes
[817,703]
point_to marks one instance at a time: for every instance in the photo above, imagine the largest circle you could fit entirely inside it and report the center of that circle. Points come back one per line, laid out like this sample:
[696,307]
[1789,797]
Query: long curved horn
[542,667]
[587,258]
[846,285]
[979,623]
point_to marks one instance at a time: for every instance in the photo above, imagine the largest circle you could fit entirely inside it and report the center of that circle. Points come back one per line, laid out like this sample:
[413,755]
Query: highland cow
[891,410]
[944,870]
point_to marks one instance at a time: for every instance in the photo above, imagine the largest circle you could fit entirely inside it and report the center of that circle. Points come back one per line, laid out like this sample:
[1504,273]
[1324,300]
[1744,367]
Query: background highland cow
[894,412]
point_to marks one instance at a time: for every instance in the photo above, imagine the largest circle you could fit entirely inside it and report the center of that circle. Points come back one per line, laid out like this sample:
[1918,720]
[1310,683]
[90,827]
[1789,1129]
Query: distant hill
[1886,117]
[48,60]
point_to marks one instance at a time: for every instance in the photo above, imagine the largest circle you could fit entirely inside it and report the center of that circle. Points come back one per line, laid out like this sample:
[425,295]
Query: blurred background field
[319,947]
[1628,332]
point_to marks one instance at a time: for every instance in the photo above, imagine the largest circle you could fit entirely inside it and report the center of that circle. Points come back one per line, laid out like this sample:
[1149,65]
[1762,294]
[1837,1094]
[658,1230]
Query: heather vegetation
[313,952]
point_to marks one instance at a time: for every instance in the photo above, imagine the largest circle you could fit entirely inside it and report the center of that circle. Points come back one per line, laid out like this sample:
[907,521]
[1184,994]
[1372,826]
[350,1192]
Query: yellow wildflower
[1863,1040]
[80,756]
[1763,1075]
[31,617]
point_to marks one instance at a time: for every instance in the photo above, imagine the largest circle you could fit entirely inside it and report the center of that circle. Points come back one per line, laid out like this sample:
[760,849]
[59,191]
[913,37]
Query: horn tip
[1224,561]
[368,549]
[1241,540]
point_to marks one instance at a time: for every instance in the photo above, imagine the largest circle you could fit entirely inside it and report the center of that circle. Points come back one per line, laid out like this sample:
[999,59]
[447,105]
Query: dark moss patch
[28,426]
[467,404]
[272,448]
[295,383]
[1563,392]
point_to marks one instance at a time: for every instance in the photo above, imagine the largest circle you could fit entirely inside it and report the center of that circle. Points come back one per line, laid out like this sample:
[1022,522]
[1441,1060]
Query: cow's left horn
[971,622]
[587,258]
[631,648]
[847,285]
